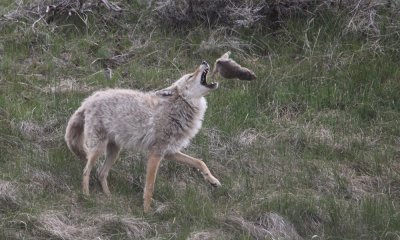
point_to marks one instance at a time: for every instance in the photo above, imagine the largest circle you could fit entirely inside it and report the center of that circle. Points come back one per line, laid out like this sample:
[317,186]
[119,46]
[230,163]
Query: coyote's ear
[166,92]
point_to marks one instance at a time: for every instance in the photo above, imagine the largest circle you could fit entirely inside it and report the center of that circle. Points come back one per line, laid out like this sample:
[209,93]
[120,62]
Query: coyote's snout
[160,123]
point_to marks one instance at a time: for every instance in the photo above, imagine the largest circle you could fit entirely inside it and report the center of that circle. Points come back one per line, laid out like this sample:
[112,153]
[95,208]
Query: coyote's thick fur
[161,123]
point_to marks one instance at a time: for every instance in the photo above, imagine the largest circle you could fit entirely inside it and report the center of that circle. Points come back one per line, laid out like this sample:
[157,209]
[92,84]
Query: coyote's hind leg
[111,155]
[93,154]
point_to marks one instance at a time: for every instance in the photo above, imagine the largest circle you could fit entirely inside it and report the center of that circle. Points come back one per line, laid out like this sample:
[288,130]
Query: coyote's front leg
[151,172]
[197,163]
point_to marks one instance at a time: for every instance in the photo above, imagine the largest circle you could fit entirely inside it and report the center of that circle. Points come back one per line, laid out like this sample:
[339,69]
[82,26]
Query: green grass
[314,139]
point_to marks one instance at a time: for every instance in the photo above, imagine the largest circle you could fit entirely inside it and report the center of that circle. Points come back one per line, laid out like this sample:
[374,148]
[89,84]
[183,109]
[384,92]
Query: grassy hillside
[308,150]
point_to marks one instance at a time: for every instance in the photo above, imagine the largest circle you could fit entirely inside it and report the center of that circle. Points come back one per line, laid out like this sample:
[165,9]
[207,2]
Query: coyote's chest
[181,120]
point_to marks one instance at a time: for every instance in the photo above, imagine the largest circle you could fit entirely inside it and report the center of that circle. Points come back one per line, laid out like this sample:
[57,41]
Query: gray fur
[142,121]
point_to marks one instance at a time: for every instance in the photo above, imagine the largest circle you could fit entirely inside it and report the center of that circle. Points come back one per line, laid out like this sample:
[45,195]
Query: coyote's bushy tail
[74,134]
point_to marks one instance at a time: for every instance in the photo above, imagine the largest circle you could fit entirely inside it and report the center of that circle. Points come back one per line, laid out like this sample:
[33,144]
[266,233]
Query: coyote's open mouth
[203,80]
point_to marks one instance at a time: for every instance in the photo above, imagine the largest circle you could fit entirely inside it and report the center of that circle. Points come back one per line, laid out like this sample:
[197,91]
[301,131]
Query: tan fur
[228,68]
[160,123]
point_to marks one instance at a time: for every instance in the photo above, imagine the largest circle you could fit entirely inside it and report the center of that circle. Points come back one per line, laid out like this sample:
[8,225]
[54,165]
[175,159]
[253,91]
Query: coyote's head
[194,85]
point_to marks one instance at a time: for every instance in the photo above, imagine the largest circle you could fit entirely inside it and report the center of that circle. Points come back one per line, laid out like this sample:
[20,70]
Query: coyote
[160,123]
[228,68]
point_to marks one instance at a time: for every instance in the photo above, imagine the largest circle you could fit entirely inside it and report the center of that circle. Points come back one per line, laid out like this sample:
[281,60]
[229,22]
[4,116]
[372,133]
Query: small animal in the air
[159,122]
[230,69]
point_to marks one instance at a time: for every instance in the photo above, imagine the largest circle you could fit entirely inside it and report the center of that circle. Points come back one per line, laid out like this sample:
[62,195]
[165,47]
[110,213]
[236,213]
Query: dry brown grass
[248,137]
[268,226]
[360,184]
[239,223]
[361,15]
[221,39]
[40,181]
[48,11]
[218,145]
[31,130]
[9,199]
[67,85]
[132,228]
[233,14]
[58,225]
[206,235]
[36,138]
[43,135]
[278,227]
[364,16]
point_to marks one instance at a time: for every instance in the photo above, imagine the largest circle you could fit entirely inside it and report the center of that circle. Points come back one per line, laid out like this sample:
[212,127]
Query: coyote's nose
[204,63]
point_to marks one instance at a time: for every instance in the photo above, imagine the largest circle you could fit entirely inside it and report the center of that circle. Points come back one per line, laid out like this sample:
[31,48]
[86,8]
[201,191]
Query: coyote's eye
[190,76]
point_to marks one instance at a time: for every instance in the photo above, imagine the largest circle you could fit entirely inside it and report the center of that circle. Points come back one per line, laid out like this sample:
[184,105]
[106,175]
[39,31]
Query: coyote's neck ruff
[177,122]
[161,122]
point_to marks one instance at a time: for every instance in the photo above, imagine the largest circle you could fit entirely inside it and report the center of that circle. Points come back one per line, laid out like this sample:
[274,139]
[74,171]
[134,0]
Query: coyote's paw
[147,206]
[213,181]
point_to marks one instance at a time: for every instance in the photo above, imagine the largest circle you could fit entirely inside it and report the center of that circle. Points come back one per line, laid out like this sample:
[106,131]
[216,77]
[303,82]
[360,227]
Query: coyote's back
[133,119]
